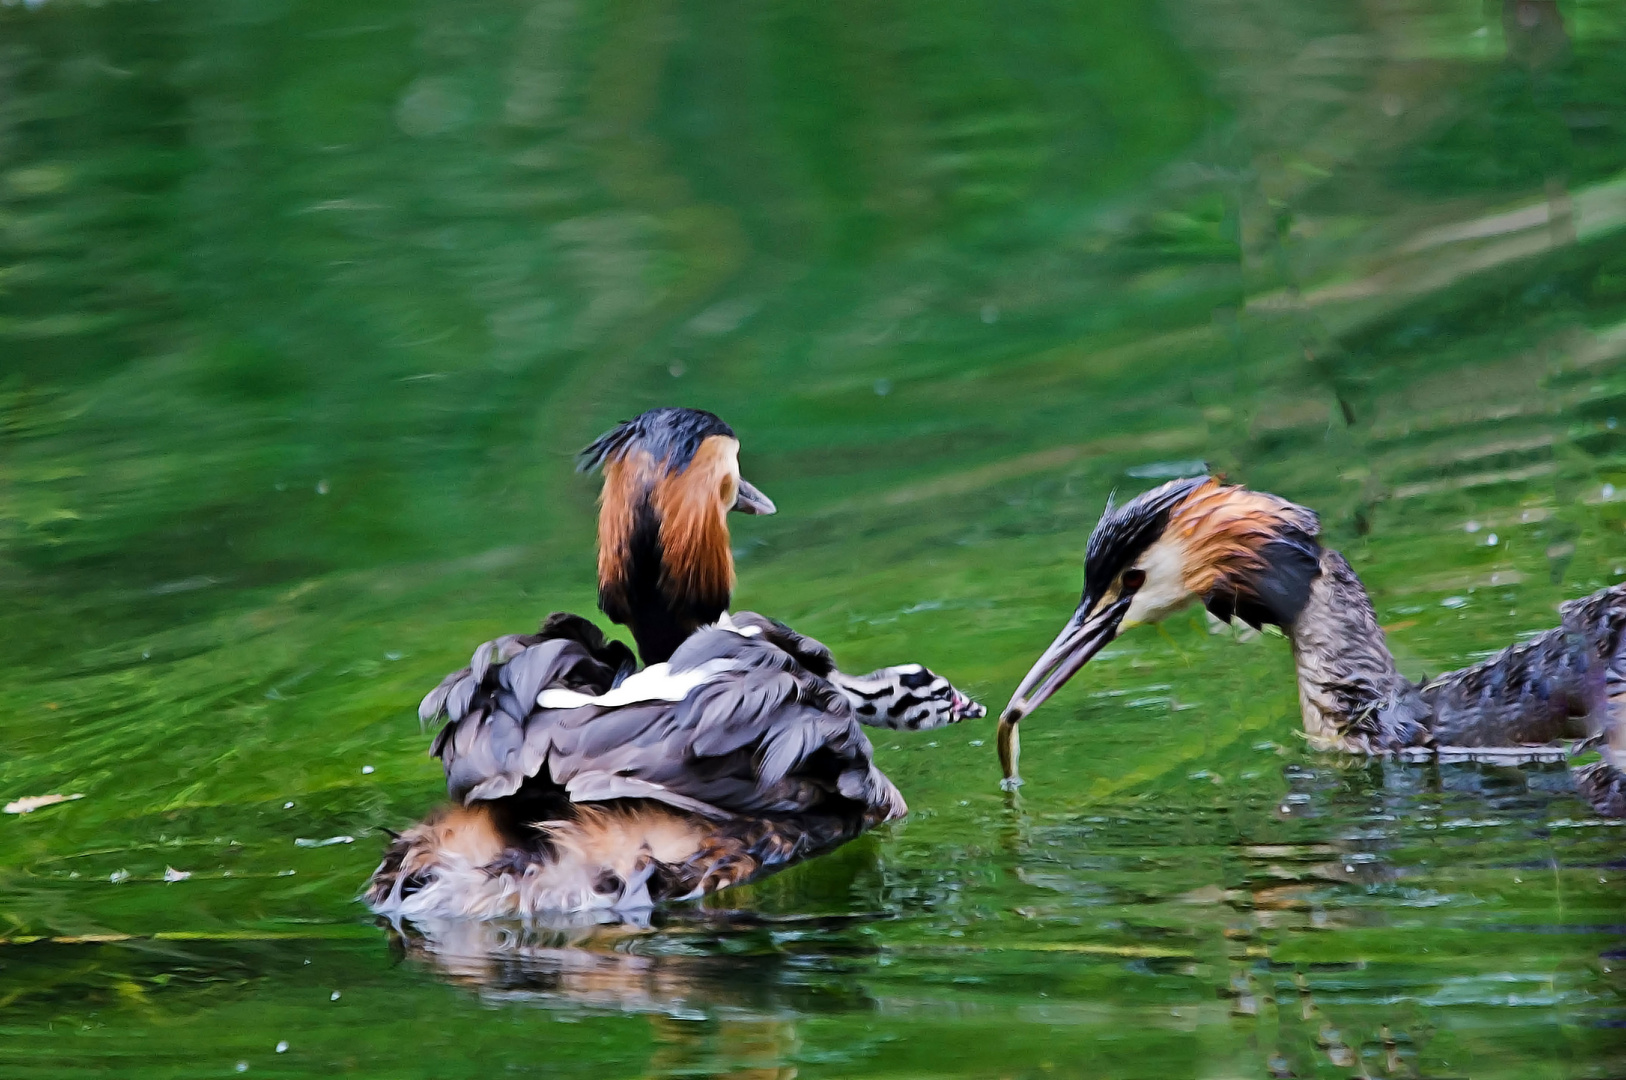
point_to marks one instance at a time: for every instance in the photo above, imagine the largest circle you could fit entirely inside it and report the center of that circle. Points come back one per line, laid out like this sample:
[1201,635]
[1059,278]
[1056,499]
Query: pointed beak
[1082,637]
[752,501]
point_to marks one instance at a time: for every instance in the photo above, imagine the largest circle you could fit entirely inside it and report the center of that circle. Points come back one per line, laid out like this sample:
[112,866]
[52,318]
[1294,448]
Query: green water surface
[304,308]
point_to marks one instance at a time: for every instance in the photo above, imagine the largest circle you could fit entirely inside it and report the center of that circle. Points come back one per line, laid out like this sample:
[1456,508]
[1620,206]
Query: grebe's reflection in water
[688,965]
[716,1002]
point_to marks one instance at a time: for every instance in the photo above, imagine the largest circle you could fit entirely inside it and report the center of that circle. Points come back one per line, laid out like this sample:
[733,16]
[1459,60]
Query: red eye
[1133,579]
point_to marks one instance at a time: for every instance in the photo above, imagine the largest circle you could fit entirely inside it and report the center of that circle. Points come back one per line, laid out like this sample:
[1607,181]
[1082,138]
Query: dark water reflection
[303,309]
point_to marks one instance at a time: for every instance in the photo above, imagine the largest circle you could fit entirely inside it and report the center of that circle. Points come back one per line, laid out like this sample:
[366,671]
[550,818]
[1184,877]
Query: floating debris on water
[172,874]
[29,803]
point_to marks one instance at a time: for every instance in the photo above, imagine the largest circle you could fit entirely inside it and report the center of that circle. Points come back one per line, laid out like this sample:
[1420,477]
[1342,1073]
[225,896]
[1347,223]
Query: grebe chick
[1256,557]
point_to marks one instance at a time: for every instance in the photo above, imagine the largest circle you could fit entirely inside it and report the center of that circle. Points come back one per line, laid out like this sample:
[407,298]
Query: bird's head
[1242,553]
[665,565]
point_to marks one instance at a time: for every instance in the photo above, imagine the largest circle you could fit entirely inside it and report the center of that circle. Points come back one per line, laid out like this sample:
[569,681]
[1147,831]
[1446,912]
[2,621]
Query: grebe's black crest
[1125,532]
[666,566]
[670,435]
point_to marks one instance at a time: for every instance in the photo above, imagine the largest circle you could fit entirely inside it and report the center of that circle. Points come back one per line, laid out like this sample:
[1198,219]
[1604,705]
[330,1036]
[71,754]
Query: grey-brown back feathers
[760,735]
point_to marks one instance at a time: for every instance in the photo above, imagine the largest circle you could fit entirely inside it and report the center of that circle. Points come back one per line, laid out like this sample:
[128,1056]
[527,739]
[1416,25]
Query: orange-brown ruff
[664,560]
[1224,530]
[697,565]
[628,481]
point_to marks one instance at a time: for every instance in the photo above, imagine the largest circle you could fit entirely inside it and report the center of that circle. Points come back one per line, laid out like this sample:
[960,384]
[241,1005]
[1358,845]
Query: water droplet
[1471,527]
[288,805]
[366,770]
[883,387]
[335,996]
[1490,541]
[322,487]
[282,1047]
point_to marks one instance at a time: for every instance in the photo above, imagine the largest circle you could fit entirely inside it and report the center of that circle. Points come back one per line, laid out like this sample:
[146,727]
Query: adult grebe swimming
[1256,557]
[579,783]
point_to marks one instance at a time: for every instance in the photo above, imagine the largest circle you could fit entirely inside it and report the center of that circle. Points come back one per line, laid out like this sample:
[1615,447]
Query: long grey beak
[1082,637]
[752,501]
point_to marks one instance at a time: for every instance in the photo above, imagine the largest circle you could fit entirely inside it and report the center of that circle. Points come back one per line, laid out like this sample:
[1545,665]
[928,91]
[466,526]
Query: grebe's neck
[1352,696]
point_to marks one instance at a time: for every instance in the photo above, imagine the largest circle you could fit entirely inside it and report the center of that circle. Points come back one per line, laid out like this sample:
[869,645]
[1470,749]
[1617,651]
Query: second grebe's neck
[1351,694]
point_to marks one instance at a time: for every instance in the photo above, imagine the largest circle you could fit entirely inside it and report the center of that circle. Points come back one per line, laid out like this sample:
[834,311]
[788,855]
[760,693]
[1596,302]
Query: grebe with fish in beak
[1255,557]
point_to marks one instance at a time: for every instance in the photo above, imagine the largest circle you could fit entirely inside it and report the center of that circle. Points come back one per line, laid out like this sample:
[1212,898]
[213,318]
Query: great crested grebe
[580,784]
[1255,557]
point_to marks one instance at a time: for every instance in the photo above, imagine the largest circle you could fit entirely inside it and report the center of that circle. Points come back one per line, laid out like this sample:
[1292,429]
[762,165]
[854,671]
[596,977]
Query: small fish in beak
[1083,636]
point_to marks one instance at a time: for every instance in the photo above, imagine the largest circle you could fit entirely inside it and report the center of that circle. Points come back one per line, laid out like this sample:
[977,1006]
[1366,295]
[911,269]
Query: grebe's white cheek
[1164,591]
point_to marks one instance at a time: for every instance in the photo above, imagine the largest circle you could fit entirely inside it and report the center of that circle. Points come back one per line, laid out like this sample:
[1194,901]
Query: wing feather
[458,701]
[766,736]
[434,701]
